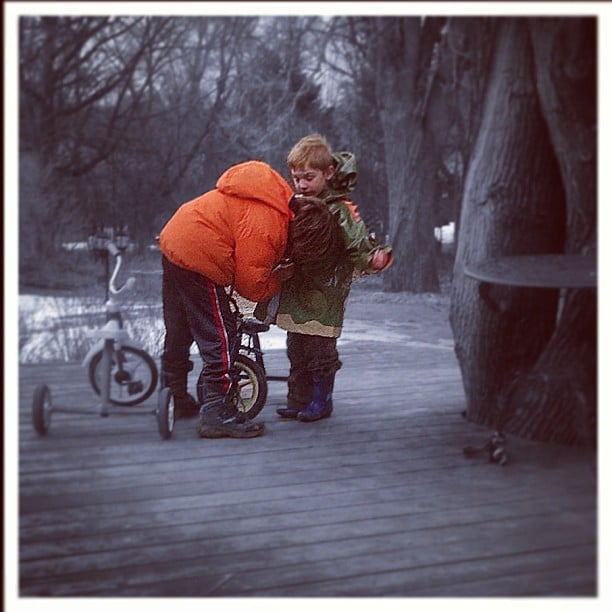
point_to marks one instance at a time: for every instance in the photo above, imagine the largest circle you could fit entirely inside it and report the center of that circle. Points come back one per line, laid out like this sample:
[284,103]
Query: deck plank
[376,501]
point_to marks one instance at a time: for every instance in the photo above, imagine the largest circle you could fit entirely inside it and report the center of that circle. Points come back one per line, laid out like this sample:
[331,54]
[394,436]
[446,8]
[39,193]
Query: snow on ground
[56,328]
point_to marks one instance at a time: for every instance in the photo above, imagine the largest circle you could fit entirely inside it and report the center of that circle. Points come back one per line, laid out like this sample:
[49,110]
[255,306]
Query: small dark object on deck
[495,447]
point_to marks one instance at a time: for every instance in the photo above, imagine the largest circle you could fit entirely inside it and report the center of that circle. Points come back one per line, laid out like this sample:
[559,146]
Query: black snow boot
[219,418]
[175,378]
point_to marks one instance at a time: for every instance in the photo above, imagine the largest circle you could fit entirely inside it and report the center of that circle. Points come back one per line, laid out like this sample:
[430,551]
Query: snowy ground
[56,328]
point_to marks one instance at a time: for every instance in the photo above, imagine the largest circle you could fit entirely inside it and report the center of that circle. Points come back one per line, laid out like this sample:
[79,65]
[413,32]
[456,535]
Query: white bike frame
[111,337]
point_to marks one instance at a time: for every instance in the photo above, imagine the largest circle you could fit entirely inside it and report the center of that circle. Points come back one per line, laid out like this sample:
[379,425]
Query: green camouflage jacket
[313,302]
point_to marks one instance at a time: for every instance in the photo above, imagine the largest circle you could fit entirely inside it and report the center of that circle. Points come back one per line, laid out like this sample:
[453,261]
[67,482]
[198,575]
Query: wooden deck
[376,501]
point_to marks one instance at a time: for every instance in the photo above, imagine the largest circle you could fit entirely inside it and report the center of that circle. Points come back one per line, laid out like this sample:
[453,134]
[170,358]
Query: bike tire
[129,386]
[165,413]
[249,389]
[42,407]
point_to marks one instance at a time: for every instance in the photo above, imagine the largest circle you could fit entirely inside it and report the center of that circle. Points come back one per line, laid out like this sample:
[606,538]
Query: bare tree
[82,80]
[82,83]
[124,118]
[277,98]
[350,92]
[171,149]
[465,55]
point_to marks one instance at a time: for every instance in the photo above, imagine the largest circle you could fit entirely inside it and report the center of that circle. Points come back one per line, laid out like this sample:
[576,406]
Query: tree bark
[410,157]
[557,400]
[513,204]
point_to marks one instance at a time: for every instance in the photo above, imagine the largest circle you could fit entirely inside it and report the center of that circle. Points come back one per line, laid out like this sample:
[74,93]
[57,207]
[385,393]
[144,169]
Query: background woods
[124,118]
[488,123]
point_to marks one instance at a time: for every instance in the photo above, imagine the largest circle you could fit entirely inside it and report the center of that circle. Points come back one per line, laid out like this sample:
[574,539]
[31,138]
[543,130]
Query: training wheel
[41,409]
[165,413]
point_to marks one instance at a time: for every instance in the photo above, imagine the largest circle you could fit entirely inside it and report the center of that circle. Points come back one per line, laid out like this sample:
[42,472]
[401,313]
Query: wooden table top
[544,270]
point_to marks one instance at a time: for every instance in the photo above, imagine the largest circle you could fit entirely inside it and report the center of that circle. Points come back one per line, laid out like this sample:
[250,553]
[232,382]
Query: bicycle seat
[251,325]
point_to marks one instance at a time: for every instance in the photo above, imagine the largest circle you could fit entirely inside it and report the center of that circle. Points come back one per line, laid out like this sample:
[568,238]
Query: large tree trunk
[513,204]
[469,46]
[557,399]
[410,156]
[414,247]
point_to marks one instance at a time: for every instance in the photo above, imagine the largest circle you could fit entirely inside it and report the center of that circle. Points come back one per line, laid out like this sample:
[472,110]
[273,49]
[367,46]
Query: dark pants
[196,309]
[309,357]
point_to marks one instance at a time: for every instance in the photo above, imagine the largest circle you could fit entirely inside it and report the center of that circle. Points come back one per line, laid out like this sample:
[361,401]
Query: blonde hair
[312,150]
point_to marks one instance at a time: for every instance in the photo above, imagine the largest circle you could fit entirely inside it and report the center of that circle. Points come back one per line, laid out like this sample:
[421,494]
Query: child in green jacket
[311,305]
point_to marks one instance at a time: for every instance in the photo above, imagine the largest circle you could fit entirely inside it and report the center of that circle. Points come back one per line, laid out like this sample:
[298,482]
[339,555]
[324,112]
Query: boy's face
[311,181]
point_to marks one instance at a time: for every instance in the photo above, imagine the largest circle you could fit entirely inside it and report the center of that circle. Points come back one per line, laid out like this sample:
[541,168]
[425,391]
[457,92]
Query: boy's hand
[284,270]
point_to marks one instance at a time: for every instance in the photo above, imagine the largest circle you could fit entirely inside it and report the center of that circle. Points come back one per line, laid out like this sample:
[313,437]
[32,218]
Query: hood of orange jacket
[236,233]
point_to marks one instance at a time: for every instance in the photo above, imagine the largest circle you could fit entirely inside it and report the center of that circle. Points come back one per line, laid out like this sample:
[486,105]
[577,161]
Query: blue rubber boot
[321,405]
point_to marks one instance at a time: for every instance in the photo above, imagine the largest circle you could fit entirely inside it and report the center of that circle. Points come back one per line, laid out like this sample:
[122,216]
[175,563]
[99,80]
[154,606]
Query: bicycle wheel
[41,409]
[249,389]
[133,376]
[165,413]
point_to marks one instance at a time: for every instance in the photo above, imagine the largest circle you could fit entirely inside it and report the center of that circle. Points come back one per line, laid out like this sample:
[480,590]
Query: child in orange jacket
[233,236]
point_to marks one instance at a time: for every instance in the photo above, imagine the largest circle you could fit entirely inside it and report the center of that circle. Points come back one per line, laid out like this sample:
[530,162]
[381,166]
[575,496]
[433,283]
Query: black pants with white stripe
[197,310]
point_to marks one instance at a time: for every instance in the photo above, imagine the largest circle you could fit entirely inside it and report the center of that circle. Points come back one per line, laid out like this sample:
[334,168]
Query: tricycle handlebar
[129,283]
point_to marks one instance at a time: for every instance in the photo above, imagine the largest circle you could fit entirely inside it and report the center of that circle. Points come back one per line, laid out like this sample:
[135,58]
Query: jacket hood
[344,178]
[255,180]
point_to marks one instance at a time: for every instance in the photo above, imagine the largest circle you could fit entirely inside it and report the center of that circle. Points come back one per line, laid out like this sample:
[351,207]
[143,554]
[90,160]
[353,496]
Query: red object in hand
[379,260]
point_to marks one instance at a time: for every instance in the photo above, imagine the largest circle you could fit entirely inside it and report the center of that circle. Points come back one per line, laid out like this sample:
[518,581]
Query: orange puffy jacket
[236,233]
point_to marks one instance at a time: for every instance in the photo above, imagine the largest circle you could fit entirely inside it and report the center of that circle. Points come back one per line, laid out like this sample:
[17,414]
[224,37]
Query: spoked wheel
[133,376]
[250,388]
[165,413]
[41,409]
